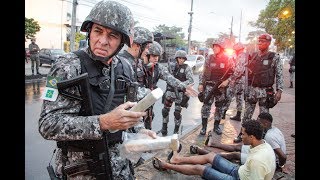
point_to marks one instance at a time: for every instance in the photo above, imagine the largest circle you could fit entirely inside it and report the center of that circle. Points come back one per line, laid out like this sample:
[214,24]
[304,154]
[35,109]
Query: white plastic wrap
[135,144]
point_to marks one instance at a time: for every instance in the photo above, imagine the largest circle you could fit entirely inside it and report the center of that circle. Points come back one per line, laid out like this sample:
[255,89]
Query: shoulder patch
[51,92]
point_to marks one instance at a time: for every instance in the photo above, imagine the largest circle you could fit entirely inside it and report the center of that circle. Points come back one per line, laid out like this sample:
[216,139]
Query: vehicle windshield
[191,58]
[57,51]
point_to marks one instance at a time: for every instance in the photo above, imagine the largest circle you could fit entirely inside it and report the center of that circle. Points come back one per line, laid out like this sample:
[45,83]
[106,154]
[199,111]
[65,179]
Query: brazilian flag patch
[51,92]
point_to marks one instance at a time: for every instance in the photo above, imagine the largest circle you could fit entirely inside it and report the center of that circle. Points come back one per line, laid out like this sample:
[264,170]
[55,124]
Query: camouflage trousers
[35,60]
[292,76]
[170,97]
[256,95]
[220,101]
[237,92]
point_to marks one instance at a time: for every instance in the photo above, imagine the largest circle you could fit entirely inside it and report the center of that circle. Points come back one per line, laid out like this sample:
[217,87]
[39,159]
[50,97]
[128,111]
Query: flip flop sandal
[171,153]
[194,149]
[208,138]
[156,162]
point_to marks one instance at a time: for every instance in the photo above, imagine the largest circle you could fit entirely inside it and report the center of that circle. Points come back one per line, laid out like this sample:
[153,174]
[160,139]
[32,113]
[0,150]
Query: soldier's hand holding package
[120,118]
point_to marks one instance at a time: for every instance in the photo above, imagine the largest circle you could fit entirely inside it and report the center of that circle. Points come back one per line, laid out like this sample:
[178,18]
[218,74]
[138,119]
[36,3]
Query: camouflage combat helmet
[219,42]
[239,46]
[155,49]
[142,35]
[112,15]
[181,53]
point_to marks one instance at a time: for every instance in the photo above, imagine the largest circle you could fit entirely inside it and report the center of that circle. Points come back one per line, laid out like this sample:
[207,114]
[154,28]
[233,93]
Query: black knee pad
[165,112]
[177,114]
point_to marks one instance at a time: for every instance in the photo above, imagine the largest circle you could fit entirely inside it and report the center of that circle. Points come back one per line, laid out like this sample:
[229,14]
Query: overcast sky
[210,17]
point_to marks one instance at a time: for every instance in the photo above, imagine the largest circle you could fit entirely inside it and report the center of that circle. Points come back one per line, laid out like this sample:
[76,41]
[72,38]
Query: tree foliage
[173,31]
[31,27]
[278,19]
[79,37]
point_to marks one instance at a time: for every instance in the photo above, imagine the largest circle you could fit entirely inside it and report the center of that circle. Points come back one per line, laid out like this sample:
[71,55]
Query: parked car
[27,55]
[196,62]
[48,56]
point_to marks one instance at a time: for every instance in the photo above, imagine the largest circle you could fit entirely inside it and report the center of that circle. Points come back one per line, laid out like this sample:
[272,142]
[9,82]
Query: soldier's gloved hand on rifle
[190,91]
[120,118]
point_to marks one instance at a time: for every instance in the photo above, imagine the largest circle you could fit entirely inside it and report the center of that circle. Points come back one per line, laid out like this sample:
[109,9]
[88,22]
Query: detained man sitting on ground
[260,163]
[272,135]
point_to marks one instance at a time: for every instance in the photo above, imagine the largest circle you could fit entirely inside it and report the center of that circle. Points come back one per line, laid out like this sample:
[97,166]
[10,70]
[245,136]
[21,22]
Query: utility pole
[240,26]
[231,33]
[61,23]
[73,24]
[190,27]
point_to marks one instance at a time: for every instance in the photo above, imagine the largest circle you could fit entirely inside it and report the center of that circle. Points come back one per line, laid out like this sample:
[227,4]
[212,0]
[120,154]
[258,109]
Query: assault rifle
[82,83]
[215,89]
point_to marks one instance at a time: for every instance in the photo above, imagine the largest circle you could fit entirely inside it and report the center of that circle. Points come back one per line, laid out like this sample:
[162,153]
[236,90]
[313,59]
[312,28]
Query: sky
[209,19]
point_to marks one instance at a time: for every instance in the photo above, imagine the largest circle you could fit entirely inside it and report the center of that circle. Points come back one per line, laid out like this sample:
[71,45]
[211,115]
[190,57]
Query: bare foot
[175,158]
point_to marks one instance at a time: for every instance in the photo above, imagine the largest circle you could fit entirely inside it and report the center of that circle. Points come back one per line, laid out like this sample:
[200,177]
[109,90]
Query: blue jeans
[221,169]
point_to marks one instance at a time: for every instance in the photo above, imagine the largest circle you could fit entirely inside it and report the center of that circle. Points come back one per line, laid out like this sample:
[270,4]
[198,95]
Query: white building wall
[51,16]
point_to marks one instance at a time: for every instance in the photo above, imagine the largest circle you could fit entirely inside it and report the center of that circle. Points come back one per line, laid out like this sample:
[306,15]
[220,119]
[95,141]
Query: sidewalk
[284,118]
[44,69]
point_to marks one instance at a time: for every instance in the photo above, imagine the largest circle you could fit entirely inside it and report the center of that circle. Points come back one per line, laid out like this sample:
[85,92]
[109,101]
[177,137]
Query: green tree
[31,27]
[173,31]
[278,19]
[79,37]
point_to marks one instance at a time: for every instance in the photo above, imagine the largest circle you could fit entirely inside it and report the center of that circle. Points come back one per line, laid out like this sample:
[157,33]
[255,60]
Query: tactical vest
[216,68]
[152,76]
[262,70]
[100,84]
[141,74]
[179,72]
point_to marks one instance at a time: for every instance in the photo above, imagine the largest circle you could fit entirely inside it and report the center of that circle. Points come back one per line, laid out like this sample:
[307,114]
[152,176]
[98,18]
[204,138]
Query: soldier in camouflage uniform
[184,73]
[236,89]
[141,40]
[34,55]
[264,70]
[155,71]
[88,146]
[216,68]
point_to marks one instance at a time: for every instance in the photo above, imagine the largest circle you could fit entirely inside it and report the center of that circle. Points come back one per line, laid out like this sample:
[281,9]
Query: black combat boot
[238,138]
[32,72]
[164,130]
[237,117]
[204,126]
[216,127]
[176,129]
[291,85]
[224,114]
